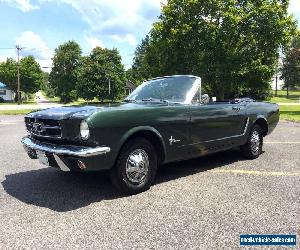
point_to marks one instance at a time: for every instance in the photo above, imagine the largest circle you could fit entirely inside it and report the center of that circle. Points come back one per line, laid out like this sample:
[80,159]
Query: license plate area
[43,159]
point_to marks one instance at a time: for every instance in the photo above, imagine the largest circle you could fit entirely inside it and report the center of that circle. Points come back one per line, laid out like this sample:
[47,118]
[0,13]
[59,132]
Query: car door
[213,126]
[173,125]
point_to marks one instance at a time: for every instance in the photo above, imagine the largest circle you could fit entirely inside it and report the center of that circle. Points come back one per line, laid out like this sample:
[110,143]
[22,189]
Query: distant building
[129,87]
[7,94]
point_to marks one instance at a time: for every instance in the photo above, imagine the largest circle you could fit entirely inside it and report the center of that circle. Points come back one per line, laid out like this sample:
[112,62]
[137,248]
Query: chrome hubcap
[255,142]
[137,166]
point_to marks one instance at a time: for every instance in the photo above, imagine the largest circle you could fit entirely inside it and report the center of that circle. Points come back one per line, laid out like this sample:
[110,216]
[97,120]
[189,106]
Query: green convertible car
[165,119]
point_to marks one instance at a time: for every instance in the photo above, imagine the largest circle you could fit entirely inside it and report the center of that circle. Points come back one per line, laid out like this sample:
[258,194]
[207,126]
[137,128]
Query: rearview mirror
[205,99]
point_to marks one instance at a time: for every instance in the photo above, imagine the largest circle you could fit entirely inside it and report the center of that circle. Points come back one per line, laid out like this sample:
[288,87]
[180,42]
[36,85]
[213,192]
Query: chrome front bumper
[77,151]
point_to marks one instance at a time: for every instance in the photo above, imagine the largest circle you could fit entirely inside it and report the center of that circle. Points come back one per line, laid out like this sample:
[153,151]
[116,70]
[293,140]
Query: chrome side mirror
[205,99]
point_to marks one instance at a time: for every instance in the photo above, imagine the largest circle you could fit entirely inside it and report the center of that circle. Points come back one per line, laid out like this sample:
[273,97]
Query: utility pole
[278,67]
[276,78]
[276,84]
[18,74]
[109,87]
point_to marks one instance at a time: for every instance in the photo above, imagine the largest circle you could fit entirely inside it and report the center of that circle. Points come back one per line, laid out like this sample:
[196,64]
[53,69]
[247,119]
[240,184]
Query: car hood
[82,112]
[61,113]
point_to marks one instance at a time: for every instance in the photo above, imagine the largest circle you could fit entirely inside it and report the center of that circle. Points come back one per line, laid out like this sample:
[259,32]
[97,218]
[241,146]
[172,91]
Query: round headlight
[84,130]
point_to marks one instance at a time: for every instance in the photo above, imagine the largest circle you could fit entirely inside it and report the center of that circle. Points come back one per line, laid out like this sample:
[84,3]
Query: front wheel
[135,169]
[253,148]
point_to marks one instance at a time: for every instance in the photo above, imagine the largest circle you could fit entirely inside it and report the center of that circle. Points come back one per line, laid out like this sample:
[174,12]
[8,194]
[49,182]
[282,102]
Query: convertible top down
[164,120]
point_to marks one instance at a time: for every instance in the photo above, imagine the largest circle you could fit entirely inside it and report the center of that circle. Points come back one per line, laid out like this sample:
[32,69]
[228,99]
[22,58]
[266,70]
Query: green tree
[31,75]
[63,76]
[8,73]
[46,87]
[103,67]
[129,76]
[291,64]
[140,68]
[231,44]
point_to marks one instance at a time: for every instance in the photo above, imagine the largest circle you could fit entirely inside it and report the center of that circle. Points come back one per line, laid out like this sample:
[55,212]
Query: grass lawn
[53,99]
[82,102]
[79,101]
[15,112]
[14,103]
[291,113]
[294,96]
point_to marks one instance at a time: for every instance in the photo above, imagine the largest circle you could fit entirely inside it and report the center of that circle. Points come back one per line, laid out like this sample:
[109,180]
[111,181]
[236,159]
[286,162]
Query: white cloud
[7,55]
[119,18]
[23,5]
[94,42]
[294,7]
[101,14]
[33,44]
[129,38]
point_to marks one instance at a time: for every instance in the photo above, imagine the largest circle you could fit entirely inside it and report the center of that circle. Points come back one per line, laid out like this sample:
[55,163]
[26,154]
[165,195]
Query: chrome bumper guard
[77,151]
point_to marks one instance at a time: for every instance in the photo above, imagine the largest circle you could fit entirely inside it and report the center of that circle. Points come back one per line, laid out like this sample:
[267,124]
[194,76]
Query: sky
[40,26]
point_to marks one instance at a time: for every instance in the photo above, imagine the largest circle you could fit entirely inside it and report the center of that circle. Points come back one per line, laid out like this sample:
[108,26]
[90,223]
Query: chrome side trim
[228,137]
[246,126]
[234,136]
[61,164]
[78,151]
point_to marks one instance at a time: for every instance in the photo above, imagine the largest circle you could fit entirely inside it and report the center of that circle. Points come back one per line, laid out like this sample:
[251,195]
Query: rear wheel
[135,168]
[253,148]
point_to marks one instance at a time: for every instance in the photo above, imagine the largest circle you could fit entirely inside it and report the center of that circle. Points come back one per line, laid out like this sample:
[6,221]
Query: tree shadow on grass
[62,192]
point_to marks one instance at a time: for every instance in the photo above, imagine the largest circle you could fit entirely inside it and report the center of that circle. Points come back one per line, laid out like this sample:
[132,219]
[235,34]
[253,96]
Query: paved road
[200,204]
[41,103]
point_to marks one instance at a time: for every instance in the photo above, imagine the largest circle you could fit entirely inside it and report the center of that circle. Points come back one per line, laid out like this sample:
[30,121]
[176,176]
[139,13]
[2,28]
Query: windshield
[172,89]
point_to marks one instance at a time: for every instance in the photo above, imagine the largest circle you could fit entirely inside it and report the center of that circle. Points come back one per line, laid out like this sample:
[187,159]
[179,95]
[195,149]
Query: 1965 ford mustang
[164,120]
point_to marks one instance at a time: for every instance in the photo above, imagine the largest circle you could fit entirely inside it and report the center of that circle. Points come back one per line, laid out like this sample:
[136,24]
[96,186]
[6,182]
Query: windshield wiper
[155,100]
[146,100]
[130,100]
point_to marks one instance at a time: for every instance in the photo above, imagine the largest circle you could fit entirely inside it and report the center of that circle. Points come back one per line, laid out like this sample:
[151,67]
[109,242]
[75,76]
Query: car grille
[43,127]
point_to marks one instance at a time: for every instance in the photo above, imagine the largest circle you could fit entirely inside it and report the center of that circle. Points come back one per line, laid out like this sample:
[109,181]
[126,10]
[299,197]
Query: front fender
[140,129]
[263,122]
[260,117]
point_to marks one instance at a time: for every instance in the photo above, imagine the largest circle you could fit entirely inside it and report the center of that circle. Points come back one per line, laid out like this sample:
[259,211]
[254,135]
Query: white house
[7,94]
[129,87]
